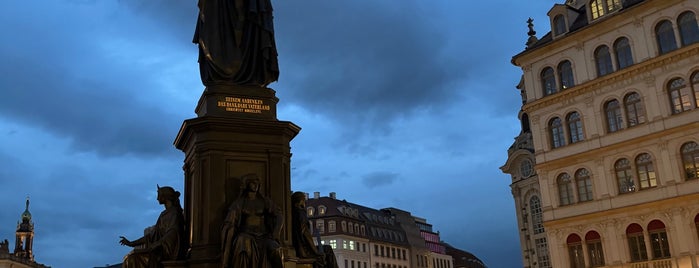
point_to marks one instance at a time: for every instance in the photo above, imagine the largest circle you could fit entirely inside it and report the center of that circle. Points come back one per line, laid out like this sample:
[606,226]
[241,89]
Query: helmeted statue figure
[236,43]
[251,230]
[165,241]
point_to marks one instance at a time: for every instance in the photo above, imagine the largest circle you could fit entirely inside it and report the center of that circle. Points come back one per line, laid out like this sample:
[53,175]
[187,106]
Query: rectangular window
[542,253]
[637,247]
[660,245]
[344,244]
[333,243]
[351,245]
[376,250]
[575,255]
[595,253]
[320,225]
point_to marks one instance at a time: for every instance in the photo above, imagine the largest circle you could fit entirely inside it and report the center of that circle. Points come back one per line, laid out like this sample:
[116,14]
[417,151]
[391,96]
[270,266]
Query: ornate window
[565,189]
[584,182]
[595,253]
[635,113]
[665,36]
[559,25]
[603,60]
[575,127]
[548,81]
[689,30]
[637,245]
[565,73]
[575,251]
[624,177]
[690,160]
[680,95]
[542,252]
[658,240]
[614,119]
[537,217]
[622,50]
[645,171]
[557,136]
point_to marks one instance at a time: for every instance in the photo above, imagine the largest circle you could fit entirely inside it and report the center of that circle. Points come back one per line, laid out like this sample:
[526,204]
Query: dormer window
[559,25]
[599,8]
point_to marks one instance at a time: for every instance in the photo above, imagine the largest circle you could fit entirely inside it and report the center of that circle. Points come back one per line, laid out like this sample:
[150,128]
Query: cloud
[379,179]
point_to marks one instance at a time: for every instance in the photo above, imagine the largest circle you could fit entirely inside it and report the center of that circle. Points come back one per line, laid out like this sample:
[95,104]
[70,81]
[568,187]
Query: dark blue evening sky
[404,103]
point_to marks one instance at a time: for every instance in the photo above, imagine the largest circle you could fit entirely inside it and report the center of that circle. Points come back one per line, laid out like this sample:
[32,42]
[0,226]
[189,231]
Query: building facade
[23,254]
[363,237]
[604,172]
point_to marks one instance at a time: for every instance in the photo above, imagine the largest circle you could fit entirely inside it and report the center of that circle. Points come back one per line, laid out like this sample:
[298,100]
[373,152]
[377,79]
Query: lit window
[310,211]
[597,9]
[690,160]
[622,50]
[635,113]
[575,251]
[333,243]
[645,171]
[688,27]
[624,177]
[603,61]
[321,210]
[565,189]
[665,36]
[584,182]
[351,245]
[680,95]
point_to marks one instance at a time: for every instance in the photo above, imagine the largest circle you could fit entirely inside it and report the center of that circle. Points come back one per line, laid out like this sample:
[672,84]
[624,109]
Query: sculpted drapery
[236,43]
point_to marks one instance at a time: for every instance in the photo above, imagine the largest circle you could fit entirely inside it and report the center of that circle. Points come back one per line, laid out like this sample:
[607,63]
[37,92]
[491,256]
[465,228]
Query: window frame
[628,181]
[635,110]
[603,61]
[688,28]
[623,53]
[557,133]
[645,171]
[565,75]
[565,190]
[576,131]
[548,81]
[680,95]
[665,37]
[583,181]
[689,153]
[614,116]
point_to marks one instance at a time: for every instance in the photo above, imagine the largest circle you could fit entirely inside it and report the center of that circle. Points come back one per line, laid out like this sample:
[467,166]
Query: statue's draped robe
[301,236]
[244,248]
[165,242]
[236,43]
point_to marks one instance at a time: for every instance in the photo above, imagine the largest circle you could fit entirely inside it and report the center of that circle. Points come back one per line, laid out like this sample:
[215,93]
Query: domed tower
[25,235]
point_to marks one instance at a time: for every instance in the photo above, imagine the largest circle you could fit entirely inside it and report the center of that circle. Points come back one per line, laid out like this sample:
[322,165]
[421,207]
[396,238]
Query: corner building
[605,170]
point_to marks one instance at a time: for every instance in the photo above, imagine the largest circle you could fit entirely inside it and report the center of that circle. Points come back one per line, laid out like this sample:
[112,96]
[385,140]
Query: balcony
[667,263]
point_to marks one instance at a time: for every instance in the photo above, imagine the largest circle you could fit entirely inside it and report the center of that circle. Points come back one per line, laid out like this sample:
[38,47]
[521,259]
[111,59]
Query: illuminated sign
[242,105]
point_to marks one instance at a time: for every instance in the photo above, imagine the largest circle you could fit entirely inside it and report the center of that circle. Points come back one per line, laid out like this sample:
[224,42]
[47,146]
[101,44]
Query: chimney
[316,195]
[333,195]
[306,194]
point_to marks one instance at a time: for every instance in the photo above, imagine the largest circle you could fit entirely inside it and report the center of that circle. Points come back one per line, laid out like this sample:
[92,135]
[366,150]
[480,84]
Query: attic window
[600,8]
[559,25]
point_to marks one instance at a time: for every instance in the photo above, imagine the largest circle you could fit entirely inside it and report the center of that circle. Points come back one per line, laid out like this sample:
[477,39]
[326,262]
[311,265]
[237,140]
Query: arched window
[310,211]
[658,240]
[665,37]
[537,217]
[575,251]
[565,189]
[622,50]
[696,222]
[680,95]
[645,171]
[548,81]
[690,160]
[603,60]
[557,136]
[615,122]
[575,127]
[689,30]
[565,73]
[321,210]
[695,88]
[559,25]
[584,182]
[637,245]
[635,113]
[594,249]
[624,177]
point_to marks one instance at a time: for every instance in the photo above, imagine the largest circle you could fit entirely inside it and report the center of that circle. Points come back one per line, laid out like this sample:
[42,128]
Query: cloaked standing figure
[164,241]
[251,230]
[236,43]
[301,236]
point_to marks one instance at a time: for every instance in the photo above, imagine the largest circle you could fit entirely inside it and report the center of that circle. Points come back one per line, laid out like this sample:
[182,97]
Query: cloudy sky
[402,103]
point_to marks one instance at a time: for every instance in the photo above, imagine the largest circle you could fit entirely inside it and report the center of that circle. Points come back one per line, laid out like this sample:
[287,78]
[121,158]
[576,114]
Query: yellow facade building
[605,172]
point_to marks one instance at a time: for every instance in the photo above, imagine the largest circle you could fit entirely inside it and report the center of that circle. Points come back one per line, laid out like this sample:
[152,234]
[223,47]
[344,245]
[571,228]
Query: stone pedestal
[236,132]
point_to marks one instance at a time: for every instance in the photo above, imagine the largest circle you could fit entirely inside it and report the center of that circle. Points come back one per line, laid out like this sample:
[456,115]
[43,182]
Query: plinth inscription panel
[243,105]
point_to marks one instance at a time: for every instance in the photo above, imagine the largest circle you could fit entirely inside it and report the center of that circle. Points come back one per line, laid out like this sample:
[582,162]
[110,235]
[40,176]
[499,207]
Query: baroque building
[363,237]
[605,172]
[23,254]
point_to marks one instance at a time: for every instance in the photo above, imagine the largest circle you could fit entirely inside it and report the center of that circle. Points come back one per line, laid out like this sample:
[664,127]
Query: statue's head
[298,199]
[252,182]
[168,193]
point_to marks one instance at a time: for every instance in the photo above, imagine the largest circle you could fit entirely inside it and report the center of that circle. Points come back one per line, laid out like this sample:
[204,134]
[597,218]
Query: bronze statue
[236,43]
[165,241]
[301,236]
[251,230]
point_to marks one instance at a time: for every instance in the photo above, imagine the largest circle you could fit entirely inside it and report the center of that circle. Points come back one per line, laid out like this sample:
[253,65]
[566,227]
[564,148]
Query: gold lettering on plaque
[243,105]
